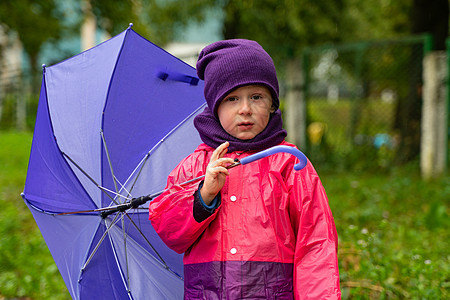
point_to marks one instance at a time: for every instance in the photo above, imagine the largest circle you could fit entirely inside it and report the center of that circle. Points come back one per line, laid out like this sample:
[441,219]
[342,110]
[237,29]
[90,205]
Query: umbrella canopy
[112,123]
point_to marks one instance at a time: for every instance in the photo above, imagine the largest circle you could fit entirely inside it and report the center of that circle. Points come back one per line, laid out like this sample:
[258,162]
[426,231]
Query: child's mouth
[245,126]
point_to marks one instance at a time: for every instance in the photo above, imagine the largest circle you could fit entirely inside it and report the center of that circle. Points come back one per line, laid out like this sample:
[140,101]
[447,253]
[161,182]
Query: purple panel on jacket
[238,280]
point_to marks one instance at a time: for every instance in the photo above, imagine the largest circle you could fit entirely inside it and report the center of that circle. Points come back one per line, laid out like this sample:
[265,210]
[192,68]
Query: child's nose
[245,107]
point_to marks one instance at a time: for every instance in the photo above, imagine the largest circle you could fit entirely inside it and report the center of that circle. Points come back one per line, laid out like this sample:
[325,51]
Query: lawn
[392,226]
[393,232]
[26,266]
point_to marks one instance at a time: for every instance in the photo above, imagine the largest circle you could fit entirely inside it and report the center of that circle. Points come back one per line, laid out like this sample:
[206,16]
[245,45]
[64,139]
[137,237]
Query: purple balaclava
[225,66]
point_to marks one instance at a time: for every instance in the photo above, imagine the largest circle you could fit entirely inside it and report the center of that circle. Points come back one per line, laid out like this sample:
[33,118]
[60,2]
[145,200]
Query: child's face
[245,111]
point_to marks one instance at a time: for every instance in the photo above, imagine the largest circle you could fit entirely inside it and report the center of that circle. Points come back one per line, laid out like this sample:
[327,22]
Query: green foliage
[363,20]
[393,233]
[157,20]
[34,22]
[283,27]
[392,226]
[26,266]
[8,117]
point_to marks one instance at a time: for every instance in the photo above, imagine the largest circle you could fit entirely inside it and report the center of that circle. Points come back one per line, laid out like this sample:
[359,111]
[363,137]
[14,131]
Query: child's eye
[231,99]
[256,97]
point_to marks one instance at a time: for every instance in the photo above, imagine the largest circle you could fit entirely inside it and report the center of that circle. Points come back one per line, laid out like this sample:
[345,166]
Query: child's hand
[215,173]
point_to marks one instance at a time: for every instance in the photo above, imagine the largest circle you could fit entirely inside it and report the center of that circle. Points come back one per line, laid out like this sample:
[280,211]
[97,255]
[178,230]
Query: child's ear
[272,109]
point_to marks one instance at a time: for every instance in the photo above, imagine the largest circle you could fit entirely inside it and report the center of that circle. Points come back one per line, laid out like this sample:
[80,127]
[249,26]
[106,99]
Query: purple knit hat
[229,64]
[225,66]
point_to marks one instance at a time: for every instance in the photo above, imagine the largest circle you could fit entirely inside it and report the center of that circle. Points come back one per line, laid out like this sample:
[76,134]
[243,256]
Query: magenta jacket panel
[272,236]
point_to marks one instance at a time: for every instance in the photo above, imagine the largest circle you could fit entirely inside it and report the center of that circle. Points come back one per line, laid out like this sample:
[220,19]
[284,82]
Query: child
[260,230]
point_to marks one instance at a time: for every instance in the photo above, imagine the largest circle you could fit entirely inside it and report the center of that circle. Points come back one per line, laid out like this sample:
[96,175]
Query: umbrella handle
[136,202]
[163,75]
[277,149]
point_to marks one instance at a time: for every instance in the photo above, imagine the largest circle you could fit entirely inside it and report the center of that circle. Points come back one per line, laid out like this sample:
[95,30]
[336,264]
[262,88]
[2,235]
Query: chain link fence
[364,102]
[18,103]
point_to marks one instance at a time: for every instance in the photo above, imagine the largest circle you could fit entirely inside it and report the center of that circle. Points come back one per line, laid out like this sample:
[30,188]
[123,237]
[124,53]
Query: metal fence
[363,102]
[18,100]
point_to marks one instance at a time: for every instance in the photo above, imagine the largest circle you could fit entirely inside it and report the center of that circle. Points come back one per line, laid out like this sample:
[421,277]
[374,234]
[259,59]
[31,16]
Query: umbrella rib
[116,181]
[109,160]
[124,280]
[104,190]
[113,222]
[123,188]
[148,242]
[115,194]
[126,252]
[140,167]
[144,160]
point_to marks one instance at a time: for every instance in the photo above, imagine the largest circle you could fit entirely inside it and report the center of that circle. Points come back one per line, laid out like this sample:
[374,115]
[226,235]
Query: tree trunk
[431,17]
[232,21]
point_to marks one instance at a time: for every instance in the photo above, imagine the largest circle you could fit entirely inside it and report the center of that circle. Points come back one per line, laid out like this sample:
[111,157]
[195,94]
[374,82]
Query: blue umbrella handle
[163,75]
[278,149]
[136,202]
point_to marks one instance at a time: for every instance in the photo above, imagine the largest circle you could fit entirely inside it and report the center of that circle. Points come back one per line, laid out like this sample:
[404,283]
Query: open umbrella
[112,122]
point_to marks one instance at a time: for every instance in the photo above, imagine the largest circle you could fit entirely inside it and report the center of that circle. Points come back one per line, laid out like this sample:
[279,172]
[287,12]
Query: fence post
[88,28]
[296,104]
[21,111]
[434,115]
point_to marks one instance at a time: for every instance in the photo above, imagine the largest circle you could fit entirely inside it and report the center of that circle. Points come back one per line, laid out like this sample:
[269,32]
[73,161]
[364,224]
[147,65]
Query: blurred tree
[158,21]
[282,27]
[285,27]
[35,23]
[431,17]
[371,20]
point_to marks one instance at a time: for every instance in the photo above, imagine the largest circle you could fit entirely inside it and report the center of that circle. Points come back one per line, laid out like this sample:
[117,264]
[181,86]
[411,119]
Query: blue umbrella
[112,123]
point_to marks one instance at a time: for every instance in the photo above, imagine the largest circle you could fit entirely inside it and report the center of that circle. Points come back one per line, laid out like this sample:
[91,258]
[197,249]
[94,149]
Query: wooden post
[88,28]
[295,105]
[21,109]
[433,150]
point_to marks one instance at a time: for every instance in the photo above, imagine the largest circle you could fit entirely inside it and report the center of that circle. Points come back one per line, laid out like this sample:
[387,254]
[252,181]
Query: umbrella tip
[130,25]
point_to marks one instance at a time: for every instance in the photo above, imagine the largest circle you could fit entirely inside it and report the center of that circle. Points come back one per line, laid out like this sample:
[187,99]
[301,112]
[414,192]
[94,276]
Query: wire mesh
[363,102]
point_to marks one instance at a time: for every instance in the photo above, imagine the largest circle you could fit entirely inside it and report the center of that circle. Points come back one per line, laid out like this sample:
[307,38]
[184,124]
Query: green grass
[26,266]
[393,232]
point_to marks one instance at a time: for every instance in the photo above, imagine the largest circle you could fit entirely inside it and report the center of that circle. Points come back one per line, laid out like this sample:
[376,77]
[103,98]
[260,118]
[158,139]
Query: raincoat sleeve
[316,273]
[172,213]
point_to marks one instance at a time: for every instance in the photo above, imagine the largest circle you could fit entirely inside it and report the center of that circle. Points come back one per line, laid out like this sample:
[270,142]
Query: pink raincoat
[271,234]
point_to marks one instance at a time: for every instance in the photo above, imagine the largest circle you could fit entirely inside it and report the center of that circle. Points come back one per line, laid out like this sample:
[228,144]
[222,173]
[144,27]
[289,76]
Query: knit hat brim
[229,64]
